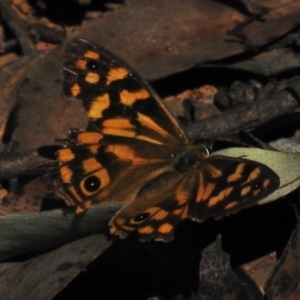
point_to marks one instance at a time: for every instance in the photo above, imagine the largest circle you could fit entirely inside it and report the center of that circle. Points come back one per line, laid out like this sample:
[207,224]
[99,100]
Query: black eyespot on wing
[92,184]
[93,65]
[141,217]
[256,186]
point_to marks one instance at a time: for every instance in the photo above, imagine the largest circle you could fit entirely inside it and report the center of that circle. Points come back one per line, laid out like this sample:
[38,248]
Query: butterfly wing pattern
[135,151]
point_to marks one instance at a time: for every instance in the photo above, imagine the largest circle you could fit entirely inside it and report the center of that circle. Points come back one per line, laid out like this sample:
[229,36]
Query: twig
[244,116]
[17,26]
[16,164]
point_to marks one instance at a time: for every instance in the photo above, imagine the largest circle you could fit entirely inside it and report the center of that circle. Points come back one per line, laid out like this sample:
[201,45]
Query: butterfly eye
[92,65]
[141,217]
[92,184]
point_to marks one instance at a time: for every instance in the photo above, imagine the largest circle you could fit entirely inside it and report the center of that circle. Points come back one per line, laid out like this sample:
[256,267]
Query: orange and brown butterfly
[135,151]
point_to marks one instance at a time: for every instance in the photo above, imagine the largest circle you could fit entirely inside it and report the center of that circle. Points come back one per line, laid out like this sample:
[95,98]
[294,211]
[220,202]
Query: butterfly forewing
[117,100]
[128,124]
[228,185]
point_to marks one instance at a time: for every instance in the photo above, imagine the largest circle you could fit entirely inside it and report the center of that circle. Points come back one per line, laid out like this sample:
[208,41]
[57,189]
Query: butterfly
[135,151]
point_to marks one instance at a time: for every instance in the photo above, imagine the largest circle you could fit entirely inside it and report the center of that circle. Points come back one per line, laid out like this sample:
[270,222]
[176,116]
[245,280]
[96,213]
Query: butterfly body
[134,151]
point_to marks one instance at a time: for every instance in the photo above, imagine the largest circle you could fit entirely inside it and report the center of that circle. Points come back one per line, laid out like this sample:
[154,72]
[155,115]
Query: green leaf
[30,232]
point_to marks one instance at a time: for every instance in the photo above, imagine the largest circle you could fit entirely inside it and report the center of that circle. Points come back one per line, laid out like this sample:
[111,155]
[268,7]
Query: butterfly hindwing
[155,213]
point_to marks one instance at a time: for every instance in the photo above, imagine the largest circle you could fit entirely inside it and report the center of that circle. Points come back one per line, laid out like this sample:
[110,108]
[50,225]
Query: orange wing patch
[231,205]
[125,152]
[90,165]
[182,196]
[91,55]
[123,127]
[149,123]
[214,172]
[254,174]
[81,64]
[160,215]
[222,195]
[146,230]
[66,174]
[128,98]
[238,173]
[119,127]
[205,191]
[65,155]
[116,74]
[266,183]
[89,137]
[98,105]
[75,90]
[245,190]
[166,228]
[92,77]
